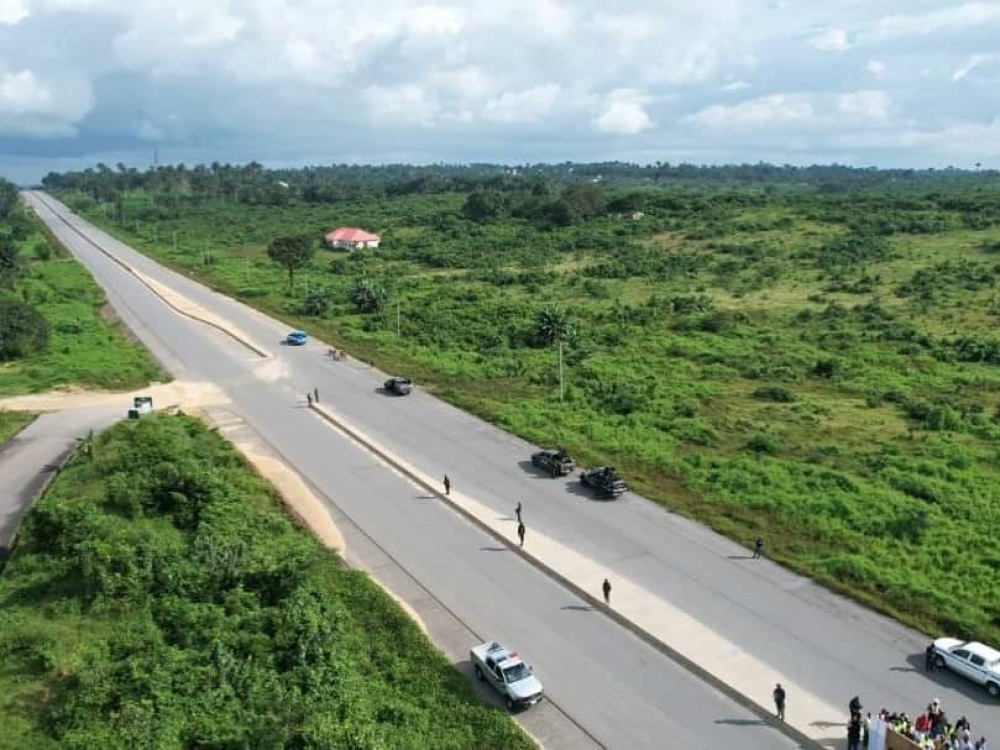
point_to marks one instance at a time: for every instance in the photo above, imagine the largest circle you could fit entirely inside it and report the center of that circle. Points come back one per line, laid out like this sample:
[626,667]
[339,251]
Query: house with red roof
[351,238]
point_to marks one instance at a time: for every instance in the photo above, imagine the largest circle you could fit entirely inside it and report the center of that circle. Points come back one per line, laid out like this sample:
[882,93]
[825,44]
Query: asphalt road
[620,691]
[30,458]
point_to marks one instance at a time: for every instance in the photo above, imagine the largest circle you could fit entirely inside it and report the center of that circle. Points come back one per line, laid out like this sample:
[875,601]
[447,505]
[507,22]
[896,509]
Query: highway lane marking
[701,649]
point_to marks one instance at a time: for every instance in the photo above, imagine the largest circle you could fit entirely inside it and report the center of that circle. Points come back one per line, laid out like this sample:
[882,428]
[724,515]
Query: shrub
[764,444]
[773,393]
[23,330]
[826,368]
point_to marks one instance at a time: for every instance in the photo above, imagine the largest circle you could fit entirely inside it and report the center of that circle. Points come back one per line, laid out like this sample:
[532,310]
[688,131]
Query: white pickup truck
[507,673]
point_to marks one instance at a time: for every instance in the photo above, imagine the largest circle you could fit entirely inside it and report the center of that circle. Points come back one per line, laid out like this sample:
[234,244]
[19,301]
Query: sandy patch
[185,394]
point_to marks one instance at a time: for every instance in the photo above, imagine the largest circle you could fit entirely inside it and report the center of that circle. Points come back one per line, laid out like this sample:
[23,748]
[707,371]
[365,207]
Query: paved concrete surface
[30,458]
[751,622]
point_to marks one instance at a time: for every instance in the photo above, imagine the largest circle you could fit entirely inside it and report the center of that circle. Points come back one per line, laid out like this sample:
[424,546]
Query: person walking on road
[758,547]
[316,395]
[517,510]
[520,532]
[606,588]
[309,399]
[779,701]
[447,485]
[929,658]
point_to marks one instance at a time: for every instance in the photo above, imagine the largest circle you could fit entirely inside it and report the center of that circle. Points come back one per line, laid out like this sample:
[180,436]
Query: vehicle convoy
[296,338]
[974,661]
[507,673]
[556,462]
[605,482]
[398,385]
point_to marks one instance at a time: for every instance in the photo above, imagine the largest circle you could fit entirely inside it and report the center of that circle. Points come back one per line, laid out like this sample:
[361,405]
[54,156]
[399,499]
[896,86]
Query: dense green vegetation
[160,597]
[12,422]
[52,332]
[811,355]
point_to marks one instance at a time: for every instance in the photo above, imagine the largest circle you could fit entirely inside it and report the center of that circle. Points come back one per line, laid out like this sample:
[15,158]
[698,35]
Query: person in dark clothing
[309,399]
[929,658]
[606,588]
[962,725]
[779,701]
[758,547]
[854,707]
[447,485]
[854,732]
[520,533]
[316,395]
[517,510]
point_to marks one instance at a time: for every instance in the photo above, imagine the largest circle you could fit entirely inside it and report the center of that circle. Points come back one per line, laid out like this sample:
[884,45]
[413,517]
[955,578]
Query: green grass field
[86,348]
[12,422]
[159,596]
[820,370]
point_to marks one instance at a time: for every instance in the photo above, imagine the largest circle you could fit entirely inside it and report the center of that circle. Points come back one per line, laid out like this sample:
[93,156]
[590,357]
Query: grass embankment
[86,346]
[822,370]
[160,597]
[12,422]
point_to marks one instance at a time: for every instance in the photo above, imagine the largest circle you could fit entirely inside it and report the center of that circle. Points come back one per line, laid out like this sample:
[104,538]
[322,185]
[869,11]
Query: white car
[507,673]
[972,660]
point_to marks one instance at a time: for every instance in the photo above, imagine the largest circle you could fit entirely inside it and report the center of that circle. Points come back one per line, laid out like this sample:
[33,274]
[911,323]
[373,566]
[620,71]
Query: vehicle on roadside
[398,385]
[605,482]
[555,461]
[507,673]
[971,659]
[296,338]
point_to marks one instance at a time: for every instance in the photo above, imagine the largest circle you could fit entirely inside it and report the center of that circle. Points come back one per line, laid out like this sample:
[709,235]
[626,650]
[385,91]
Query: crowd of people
[930,730]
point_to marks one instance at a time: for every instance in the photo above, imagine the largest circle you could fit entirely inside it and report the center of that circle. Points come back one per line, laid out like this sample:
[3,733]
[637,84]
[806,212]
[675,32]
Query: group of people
[931,730]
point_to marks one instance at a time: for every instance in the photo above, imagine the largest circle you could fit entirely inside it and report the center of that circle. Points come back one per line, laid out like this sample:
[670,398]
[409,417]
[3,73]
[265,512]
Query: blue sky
[288,82]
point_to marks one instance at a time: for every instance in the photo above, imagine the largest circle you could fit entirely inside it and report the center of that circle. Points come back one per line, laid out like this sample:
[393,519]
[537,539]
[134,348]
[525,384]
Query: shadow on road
[492,549]
[948,679]
[577,608]
[739,557]
[529,468]
[743,722]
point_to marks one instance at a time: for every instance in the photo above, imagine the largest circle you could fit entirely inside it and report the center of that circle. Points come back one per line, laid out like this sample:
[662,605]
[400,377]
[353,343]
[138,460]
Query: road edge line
[138,276]
[737,697]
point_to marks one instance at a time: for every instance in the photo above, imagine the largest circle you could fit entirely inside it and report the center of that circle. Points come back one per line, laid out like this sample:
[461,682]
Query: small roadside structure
[351,238]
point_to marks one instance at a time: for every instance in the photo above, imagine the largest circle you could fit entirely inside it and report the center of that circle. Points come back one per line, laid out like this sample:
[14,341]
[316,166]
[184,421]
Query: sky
[910,83]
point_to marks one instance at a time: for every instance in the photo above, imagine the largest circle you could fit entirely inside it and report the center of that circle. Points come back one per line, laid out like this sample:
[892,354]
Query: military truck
[556,462]
[605,482]
[507,673]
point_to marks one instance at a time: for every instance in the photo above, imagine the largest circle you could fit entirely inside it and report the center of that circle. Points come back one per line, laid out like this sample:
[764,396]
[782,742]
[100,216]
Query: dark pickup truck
[605,482]
[555,462]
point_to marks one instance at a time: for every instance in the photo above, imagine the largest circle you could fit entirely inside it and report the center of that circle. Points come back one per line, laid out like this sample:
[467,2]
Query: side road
[30,459]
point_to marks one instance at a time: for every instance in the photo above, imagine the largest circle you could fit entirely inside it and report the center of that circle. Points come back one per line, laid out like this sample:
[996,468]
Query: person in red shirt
[923,724]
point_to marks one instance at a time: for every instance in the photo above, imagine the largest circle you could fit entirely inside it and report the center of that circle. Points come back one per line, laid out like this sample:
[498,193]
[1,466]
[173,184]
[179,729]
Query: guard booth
[141,405]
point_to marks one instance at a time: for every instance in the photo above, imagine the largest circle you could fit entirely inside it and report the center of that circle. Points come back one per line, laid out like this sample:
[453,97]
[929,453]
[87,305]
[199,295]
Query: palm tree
[553,326]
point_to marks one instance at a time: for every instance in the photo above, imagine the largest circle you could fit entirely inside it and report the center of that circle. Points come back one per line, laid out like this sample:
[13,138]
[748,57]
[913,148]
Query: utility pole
[175,239]
[246,270]
[136,227]
[560,371]
[397,317]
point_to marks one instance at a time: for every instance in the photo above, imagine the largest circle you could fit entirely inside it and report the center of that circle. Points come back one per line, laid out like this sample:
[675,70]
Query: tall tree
[292,252]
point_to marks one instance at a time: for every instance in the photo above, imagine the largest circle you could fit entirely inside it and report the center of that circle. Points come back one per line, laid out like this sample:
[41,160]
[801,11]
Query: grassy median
[159,596]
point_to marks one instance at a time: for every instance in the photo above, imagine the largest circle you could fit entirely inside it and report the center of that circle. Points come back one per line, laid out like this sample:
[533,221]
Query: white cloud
[12,12]
[623,113]
[781,109]
[866,105]
[21,92]
[522,106]
[399,105]
[875,67]
[834,39]
[947,18]
[969,65]
[735,86]
[32,106]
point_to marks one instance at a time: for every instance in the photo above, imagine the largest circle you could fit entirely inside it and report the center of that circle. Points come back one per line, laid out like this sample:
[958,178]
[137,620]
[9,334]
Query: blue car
[296,338]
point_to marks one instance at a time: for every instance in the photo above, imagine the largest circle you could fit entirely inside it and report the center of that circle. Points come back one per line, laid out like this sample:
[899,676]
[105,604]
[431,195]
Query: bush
[773,393]
[23,330]
[764,444]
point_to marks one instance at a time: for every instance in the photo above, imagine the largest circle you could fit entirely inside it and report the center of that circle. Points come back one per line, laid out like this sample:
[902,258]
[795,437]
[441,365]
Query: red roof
[350,234]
